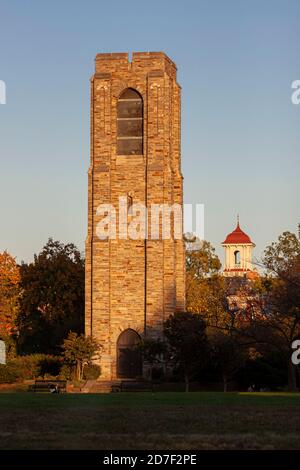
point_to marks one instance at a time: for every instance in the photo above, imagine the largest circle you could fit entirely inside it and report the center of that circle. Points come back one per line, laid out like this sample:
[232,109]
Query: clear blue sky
[240,132]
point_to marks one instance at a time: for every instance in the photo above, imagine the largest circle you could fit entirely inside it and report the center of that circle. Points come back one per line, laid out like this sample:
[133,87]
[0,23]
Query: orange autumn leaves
[9,293]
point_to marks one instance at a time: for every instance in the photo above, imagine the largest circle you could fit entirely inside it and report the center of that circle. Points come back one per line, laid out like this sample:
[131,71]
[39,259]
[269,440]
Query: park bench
[133,386]
[44,386]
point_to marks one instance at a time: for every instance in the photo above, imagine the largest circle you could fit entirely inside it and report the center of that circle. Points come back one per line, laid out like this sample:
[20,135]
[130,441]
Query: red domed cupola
[237,237]
[238,253]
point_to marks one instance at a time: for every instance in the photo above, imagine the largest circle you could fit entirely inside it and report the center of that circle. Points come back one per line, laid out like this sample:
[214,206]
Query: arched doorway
[129,358]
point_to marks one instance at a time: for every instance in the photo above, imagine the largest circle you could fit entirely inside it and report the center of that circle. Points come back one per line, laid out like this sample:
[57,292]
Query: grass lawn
[196,420]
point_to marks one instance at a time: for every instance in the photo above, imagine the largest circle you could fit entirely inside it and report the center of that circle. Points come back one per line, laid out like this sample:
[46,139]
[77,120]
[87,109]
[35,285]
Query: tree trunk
[151,371]
[78,370]
[225,382]
[187,382]
[292,376]
[298,373]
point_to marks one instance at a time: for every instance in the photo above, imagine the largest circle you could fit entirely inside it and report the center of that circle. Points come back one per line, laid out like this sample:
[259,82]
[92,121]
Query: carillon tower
[132,283]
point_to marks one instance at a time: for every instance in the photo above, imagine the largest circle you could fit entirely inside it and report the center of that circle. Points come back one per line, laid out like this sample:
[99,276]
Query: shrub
[157,373]
[30,367]
[67,372]
[91,372]
[50,365]
[8,374]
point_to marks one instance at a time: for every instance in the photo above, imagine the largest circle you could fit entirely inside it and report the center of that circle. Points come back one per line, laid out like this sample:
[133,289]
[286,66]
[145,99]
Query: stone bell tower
[133,284]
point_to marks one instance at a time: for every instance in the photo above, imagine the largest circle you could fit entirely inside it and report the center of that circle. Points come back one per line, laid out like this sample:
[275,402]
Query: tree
[9,294]
[186,336]
[228,355]
[205,288]
[202,261]
[52,300]
[264,313]
[279,324]
[282,257]
[80,350]
[153,352]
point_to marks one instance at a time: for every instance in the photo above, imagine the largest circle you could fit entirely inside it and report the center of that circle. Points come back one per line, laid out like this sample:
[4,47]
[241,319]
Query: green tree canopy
[52,300]
[228,354]
[80,350]
[186,336]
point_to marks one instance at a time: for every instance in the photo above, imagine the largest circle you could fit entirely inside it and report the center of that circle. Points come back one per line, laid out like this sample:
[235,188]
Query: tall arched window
[130,123]
[237,257]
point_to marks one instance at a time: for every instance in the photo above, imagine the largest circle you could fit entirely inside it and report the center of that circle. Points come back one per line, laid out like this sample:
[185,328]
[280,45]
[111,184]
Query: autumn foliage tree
[205,287]
[9,293]
[279,324]
[209,294]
